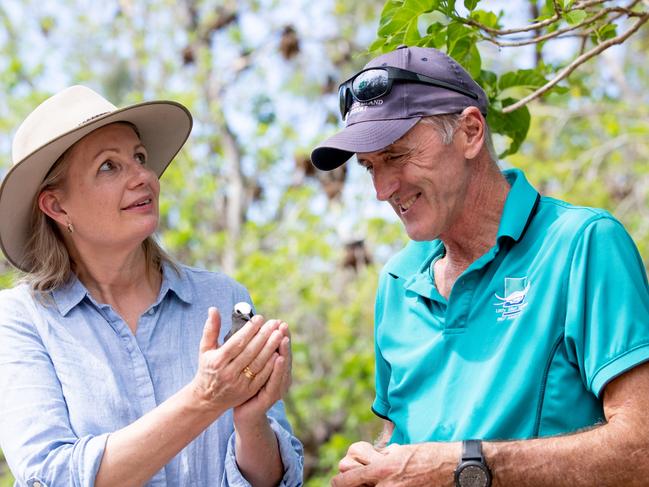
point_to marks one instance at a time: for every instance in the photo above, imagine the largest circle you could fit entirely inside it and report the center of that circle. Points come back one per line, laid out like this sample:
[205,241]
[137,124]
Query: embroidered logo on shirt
[515,299]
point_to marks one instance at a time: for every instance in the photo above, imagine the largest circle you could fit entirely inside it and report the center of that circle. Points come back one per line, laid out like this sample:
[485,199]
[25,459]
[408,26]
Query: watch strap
[472,450]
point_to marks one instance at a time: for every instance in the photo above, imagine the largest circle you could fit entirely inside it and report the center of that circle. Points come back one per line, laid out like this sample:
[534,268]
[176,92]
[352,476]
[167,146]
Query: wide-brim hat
[57,124]
[374,125]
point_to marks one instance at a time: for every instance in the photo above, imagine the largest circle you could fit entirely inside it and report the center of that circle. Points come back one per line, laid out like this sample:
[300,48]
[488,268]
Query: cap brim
[163,125]
[368,136]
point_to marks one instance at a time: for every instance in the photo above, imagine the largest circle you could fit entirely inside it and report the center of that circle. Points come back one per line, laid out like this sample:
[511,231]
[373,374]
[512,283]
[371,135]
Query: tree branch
[534,26]
[565,72]
[560,32]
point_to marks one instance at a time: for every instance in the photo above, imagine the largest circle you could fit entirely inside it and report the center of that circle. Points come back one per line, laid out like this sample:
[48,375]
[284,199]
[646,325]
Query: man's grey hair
[447,124]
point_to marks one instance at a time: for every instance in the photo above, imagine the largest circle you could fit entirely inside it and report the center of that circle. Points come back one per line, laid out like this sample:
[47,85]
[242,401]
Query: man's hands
[425,464]
[220,382]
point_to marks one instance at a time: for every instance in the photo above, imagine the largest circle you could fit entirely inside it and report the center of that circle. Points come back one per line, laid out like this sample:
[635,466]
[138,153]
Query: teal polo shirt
[530,335]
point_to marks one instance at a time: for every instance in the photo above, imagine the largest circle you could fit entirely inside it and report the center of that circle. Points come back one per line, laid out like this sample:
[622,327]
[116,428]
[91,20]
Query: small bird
[241,314]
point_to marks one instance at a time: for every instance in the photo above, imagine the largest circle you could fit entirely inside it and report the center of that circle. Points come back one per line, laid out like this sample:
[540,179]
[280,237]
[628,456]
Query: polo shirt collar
[71,294]
[519,206]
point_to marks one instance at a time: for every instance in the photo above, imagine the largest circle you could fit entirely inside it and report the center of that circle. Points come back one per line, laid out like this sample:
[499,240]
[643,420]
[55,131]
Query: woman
[107,377]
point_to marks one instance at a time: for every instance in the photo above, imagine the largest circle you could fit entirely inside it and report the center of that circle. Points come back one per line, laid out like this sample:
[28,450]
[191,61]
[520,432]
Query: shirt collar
[71,294]
[68,296]
[519,206]
[173,279]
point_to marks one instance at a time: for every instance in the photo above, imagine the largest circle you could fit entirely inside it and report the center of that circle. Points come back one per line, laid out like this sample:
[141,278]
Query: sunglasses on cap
[372,83]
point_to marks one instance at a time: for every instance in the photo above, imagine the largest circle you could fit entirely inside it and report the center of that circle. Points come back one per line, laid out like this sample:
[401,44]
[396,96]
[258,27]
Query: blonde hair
[47,261]
[446,125]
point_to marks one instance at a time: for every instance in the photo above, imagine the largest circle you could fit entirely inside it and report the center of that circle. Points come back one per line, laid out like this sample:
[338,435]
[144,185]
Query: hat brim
[164,126]
[368,136]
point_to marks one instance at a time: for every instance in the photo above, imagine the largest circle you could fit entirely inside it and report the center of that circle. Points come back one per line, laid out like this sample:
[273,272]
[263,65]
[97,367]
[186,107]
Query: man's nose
[386,183]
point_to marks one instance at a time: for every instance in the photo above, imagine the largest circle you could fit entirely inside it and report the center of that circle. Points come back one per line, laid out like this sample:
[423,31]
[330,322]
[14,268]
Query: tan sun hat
[53,127]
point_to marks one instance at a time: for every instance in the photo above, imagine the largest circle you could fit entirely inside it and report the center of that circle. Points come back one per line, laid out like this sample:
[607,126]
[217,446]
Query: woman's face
[109,194]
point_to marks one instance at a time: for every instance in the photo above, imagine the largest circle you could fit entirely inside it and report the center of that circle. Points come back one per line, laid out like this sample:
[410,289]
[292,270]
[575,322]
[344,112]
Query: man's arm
[385,435]
[615,453]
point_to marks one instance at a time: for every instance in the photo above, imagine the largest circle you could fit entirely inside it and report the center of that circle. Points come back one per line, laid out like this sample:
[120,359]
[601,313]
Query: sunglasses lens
[342,99]
[370,84]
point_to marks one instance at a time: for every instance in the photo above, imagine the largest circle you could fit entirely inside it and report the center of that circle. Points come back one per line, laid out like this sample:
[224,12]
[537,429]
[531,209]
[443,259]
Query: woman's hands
[250,372]
[221,383]
[256,446]
[274,388]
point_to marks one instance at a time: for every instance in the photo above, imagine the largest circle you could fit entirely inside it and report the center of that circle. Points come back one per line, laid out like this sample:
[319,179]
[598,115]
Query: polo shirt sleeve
[35,433]
[607,309]
[380,407]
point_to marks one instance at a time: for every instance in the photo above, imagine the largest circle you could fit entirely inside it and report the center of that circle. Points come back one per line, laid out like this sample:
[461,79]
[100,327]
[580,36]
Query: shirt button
[37,484]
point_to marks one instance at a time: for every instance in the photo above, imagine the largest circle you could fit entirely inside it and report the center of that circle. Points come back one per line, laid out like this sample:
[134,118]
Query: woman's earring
[70,228]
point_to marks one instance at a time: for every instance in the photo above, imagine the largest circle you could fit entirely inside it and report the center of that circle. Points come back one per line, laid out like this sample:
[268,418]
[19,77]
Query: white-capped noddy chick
[241,314]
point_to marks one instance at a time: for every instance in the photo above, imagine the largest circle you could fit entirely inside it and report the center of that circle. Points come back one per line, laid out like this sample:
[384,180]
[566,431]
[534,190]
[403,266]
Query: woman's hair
[446,125]
[47,259]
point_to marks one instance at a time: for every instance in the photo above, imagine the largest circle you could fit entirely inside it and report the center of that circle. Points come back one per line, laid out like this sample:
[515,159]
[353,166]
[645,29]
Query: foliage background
[260,77]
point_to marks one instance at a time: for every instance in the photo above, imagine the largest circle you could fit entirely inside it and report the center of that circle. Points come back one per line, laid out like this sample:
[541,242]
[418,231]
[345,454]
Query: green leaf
[389,8]
[436,36]
[412,36]
[604,33]
[377,45]
[488,19]
[455,33]
[524,78]
[461,46]
[403,16]
[489,82]
[449,7]
[471,4]
[514,125]
[487,78]
[576,17]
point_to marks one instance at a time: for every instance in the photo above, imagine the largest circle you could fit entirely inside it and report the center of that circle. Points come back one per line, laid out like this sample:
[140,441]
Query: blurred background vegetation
[260,77]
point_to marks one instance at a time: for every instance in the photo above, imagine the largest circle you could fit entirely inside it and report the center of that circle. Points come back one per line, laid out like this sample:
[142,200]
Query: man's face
[424,180]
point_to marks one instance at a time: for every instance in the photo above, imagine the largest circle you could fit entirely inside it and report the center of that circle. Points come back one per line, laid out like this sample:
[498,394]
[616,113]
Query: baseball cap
[375,124]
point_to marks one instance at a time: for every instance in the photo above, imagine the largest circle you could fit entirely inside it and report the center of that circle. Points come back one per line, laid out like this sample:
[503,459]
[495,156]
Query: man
[512,331]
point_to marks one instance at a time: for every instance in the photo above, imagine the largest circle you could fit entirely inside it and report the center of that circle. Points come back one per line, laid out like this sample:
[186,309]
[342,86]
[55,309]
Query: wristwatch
[472,471]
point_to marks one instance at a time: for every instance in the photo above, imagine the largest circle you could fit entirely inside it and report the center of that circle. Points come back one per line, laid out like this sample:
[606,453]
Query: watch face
[473,476]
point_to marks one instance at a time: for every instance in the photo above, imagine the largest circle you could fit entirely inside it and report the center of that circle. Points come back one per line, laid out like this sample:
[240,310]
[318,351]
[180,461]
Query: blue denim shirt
[71,372]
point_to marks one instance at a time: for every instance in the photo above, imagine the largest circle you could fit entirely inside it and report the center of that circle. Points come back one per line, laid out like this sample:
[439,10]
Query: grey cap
[374,125]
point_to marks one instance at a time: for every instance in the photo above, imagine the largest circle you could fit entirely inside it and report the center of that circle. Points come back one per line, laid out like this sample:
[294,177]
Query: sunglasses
[373,83]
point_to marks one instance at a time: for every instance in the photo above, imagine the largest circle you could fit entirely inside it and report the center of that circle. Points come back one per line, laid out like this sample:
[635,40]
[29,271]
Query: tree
[592,24]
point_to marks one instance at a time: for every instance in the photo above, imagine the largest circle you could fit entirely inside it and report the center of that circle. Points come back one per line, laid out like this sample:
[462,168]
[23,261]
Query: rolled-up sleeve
[35,433]
[290,450]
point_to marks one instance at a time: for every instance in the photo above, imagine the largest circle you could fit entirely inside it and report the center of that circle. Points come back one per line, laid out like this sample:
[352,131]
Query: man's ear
[473,126]
[49,203]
